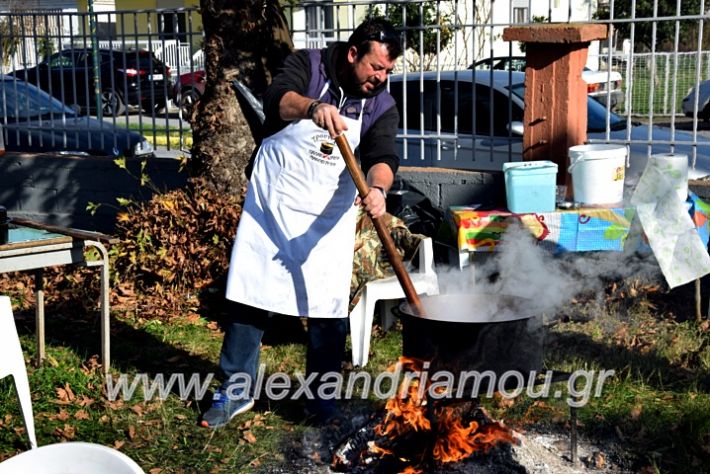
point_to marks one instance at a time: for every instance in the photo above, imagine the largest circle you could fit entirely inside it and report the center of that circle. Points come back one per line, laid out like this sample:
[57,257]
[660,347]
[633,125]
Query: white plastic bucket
[598,173]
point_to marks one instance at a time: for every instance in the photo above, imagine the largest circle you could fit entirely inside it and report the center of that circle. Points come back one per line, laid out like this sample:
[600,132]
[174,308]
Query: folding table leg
[105,317]
[39,315]
[573,442]
[104,303]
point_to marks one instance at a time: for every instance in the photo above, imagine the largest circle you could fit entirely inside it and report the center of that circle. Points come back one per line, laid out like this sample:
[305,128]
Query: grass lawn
[160,135]
[657,405]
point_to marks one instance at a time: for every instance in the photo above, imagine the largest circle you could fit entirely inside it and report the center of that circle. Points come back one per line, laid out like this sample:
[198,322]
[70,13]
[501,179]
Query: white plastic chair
[61,458]
[12,362]
[75,457]
[388,290]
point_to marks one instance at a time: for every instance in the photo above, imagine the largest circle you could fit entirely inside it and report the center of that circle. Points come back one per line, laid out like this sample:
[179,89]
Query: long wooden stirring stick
[385,237]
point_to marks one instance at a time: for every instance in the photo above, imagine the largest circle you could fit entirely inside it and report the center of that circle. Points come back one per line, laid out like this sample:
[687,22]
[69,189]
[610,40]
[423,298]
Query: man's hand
[374,203]
[327,116]
[294,106]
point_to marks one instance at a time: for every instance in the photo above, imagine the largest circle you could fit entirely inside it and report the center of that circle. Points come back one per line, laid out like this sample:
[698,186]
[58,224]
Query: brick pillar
[555,95]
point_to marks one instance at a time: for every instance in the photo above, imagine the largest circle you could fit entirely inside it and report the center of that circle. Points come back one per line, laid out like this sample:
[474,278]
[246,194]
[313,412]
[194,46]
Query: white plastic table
[35,249]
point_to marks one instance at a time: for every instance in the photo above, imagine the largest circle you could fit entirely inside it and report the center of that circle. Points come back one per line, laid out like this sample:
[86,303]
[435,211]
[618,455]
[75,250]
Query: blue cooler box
[530,186]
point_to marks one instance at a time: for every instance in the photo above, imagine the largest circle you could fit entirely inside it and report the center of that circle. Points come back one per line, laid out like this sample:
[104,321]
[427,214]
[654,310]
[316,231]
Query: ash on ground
[539,452]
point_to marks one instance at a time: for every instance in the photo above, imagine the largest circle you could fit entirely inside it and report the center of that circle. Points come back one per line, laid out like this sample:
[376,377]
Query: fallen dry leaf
[84,401]
[192,318]
[90,365]
[82,415]
[115,405]
[131,432]
[118,444]
[63,415]
[155,470]
[68,432]
[65,395]
[249,437]
[598,460]
[137,409]
[635,412]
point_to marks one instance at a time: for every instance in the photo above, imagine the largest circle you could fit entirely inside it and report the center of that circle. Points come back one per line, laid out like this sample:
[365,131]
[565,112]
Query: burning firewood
[414,435]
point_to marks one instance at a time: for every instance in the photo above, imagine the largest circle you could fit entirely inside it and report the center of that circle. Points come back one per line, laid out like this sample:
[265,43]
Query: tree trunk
[244,39]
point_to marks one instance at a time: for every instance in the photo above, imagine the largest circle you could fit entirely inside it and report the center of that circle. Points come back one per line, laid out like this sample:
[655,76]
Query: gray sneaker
[224,409]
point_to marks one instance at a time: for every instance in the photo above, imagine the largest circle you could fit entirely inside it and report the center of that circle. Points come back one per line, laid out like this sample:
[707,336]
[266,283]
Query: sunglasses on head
[383,37]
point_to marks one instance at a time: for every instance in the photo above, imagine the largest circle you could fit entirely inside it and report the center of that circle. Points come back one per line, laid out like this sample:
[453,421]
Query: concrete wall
[446,187]
[56,189]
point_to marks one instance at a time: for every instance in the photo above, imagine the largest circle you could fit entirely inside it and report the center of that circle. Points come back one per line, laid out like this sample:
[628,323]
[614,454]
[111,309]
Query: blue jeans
[242,338]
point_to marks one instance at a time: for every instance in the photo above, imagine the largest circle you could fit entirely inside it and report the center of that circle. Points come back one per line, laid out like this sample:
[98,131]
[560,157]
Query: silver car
[441,127]
[600,84]
[34,121]
[703,102]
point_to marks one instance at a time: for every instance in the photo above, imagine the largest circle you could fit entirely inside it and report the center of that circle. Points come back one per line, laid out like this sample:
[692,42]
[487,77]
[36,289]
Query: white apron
[293,253]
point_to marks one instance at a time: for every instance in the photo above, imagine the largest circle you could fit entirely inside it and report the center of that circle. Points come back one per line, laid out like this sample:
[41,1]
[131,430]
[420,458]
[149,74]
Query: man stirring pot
[293,250]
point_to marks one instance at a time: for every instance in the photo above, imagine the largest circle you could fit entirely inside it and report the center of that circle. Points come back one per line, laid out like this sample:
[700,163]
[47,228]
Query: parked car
[128,78]
[493,135]
[34,121]
[597,81]
[688,104]
[187,91]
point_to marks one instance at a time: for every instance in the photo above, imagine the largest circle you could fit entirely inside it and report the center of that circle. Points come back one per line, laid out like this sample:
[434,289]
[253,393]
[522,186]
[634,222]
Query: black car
[34,121]
[135,78]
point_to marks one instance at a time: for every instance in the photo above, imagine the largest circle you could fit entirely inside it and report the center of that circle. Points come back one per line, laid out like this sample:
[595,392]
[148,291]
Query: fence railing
[440,35]
[670,75]
[52,50]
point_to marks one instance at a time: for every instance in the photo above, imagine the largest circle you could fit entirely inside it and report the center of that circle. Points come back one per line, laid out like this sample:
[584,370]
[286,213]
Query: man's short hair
[376,29]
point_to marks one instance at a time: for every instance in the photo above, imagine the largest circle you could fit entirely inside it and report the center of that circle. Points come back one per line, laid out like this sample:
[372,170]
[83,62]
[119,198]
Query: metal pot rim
[476,308]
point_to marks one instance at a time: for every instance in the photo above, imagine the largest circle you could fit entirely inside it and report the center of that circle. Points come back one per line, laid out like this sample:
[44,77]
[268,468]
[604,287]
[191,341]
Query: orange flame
[374,449]
[412,470]
[457,442]
[406,411]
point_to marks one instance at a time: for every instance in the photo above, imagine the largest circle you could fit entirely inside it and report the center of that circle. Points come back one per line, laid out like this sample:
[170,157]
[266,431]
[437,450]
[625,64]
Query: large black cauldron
[475,332]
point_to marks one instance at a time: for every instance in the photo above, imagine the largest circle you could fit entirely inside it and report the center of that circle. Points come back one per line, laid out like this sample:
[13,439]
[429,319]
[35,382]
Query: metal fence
[438,35]
[140,57]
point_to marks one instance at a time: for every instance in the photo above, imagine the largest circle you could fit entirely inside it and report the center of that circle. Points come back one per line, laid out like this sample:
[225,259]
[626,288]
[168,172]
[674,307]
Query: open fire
[416,433]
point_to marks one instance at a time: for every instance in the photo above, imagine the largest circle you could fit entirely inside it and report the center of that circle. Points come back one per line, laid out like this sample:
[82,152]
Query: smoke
[521,267]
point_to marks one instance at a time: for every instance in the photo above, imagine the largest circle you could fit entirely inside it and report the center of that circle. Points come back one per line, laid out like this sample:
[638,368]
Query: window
[488,107]
[415,103]
[450,92]
[491,109]
[173,25]
[106,30]
[520,15]
[320,25]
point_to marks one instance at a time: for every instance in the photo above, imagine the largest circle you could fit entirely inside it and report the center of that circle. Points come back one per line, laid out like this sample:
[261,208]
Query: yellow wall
[140,24]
